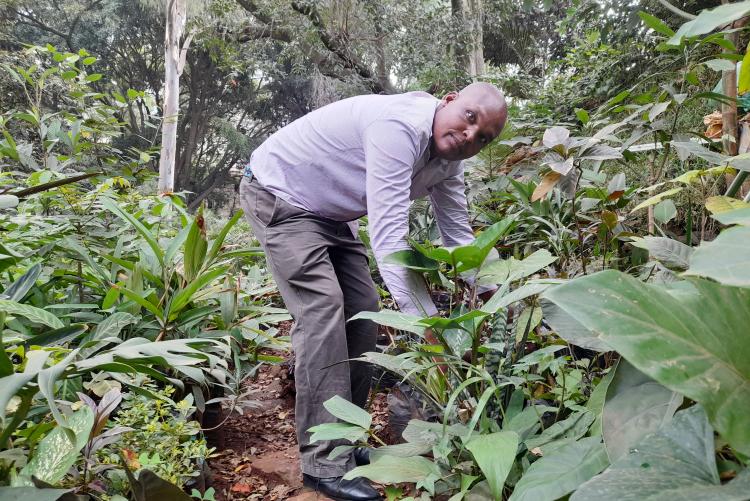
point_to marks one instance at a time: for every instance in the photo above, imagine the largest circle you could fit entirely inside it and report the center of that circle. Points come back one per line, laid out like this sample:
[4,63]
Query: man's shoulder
[416,109]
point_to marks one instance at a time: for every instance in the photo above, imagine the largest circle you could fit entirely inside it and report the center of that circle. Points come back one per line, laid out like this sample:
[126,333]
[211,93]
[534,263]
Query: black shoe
[361,456]
[358,489]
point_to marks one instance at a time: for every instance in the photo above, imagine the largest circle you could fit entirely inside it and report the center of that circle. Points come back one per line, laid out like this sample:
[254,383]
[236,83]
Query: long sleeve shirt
[370,155]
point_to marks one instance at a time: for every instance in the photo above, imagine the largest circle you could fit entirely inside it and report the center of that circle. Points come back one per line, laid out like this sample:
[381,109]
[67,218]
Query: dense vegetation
[610,363]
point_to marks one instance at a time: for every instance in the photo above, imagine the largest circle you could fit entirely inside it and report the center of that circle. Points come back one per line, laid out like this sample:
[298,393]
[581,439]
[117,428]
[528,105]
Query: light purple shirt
[370,155]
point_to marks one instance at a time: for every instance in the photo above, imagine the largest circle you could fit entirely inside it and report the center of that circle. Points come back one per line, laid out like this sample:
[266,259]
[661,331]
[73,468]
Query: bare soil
[257,457]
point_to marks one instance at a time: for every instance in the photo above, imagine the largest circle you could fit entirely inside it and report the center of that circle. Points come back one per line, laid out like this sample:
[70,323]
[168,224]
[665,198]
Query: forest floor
[257,456]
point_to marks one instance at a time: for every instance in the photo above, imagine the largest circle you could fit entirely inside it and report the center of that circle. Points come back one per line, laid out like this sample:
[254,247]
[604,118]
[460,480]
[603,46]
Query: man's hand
[486,295]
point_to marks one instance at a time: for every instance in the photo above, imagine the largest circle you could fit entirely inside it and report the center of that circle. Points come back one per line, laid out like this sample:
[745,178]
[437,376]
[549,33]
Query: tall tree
[174,62]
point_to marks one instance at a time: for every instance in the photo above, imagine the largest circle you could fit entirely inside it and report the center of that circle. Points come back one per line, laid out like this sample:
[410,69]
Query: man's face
[464,124]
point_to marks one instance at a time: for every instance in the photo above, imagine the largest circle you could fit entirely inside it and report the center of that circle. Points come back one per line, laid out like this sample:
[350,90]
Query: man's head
[467,121]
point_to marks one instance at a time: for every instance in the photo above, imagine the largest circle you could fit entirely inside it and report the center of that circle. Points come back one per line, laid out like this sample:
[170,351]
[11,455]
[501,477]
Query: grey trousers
[322,272]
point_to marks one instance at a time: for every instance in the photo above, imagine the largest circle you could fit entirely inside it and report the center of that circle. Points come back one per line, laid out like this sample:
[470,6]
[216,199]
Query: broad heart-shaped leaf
[495,454]
[636,406]
[56,453]
[677,462]
[395,319]
[349,412]
[337,431]
[570,329]
[30,494]
[671,253]
[150,486]
[554,476]
[725,259]
[665,211]
[687,342]
[737,216]
[32,313]
[710,19]
[393,470]
[721,204]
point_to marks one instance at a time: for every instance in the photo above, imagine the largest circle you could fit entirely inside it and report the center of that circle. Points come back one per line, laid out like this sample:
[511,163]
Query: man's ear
[451,96]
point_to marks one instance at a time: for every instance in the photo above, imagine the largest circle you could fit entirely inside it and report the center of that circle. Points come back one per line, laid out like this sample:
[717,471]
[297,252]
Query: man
[303,192]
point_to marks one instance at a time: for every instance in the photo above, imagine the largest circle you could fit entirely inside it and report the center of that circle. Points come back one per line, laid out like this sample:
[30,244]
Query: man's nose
[470,134]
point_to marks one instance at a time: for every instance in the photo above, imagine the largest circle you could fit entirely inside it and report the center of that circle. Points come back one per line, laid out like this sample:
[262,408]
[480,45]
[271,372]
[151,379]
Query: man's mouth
[457,145]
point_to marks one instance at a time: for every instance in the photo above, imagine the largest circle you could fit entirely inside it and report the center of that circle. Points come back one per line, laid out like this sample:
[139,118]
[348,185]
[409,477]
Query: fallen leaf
[241,488]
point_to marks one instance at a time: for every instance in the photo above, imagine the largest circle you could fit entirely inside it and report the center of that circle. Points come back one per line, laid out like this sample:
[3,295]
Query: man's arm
[391,150]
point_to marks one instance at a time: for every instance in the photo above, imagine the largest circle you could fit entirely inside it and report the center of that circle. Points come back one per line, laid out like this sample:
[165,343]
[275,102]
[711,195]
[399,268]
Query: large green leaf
[395,319]
[737,216]
[501,298]
[636,406]
[347,411]
[508,270]
[337,431]
[571,329]
[677,462]
[656,24]
[10,385]
[113,324]
[32,313]
[689,342]
[412,260]
[567,430]
[30,494]
[112,206]
[150,486]
[725,259]
[18,289]
[56,453]
[710,19]
[183,297]
[392,469]
[495,454]
[672,253]
[554,476]
[195,248]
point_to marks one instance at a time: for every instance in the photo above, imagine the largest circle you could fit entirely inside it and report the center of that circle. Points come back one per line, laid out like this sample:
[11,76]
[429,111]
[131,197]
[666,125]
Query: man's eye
[471,115]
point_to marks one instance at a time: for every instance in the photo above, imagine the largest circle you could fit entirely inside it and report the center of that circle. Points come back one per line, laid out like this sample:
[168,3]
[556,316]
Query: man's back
[318,162]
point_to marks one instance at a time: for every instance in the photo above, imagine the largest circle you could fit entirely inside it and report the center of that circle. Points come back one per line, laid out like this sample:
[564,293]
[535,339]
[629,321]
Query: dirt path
[258,459]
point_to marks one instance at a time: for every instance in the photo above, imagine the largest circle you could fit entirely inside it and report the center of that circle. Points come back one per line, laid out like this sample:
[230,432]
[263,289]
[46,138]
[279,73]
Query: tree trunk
[173,63]
[470,53]
[729,110]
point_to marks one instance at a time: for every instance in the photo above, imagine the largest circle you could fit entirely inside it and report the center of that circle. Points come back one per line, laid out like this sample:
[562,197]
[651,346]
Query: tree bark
[470,54]
[173,63]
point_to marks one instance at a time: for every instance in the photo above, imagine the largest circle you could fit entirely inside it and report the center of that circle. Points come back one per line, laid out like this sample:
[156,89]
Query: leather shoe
[357,489]
[361,456]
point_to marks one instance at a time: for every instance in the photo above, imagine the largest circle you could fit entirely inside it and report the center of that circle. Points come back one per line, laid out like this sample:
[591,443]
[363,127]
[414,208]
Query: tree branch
[677,10]
[340,50]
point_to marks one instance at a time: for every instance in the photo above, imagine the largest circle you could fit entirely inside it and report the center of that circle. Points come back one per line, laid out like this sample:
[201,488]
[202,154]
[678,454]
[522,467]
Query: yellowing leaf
[717,205]
[656,199]
[548,182]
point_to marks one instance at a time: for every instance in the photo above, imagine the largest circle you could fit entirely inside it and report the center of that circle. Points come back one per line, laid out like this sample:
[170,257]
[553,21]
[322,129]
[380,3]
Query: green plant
[162,437]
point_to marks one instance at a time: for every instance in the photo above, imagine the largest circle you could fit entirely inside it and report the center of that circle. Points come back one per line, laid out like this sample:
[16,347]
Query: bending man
[303,192]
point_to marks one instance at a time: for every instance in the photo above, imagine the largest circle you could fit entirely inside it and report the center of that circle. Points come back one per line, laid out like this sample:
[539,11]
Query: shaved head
[468,120]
